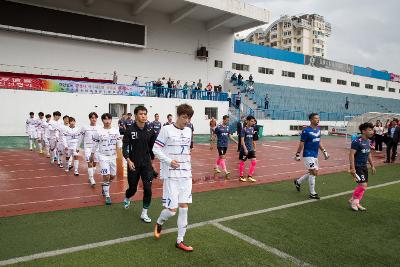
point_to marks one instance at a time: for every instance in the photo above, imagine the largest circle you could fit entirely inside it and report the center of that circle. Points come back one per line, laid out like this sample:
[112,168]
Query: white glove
[326,155]
[297,157]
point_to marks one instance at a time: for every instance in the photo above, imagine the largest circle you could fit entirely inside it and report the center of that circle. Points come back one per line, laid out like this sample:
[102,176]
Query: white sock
[76,165]
[311,181]
[106,189]
[144,211]
[302,178]
[165,215]
[90,171]
[40,146]
[182,224]
[30,143]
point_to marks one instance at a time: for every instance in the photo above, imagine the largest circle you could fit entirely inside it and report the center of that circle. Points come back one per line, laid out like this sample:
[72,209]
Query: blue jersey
[247,133]
[156,125]
[129,123]
[311,139]
[222,132]
[362,148]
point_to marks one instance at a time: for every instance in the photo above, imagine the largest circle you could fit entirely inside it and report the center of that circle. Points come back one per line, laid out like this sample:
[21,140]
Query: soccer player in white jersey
[71,138]
[54,135]
[31,130]
[46,130]
[40,131]
[60,144]
[87,133]
[172,148]
[106,140]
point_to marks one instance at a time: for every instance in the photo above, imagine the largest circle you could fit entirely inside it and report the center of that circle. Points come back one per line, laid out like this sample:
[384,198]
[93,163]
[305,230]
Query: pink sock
[358,192]
[222,164]
[241,168]
[218,163]
[362,193]
[252,167]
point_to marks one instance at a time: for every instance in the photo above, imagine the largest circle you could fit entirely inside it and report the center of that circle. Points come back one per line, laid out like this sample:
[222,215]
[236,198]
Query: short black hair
[41,113]
[156,114]
[91,114]
[225,117]
[31,113]
[129,114]
[66,116]
[56,113]
[48,116]
[312,115]
[71,119]
[106,116]
[365,126]
[139,108]
[169,115]
[250,117]
[396,120]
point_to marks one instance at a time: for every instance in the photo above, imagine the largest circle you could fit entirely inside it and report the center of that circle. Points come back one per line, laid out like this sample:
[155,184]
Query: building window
[354,84]
[381,88]
[326,80]
[288,74]
[341,82]
[218,64]
[211,113]
[265,70]
[117,109]
[307,77]
[369,86]
[243,67]
[392,90]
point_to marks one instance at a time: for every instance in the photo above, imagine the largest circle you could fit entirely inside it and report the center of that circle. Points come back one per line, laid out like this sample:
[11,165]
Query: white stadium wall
[17,104]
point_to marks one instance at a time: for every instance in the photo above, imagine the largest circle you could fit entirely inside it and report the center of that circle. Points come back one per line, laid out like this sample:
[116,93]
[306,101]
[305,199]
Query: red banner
[395,77]
[20,83]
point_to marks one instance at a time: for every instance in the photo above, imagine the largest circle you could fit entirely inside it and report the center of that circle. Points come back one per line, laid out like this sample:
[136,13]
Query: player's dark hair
[48,116]
[365,126]
[225,117]
[156,114]
[57,113]
[250,117]
[312,115]
[396,120]
[71,119]
[106,116]
[31,113]
[185,109]
[41,113]
[91,114]
[139,108]
[169,115]
[66,116]
[129,114]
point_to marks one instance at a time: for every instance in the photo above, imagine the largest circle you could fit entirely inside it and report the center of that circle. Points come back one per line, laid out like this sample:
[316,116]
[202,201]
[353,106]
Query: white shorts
[108,167]
[53,143]
[176,192]
[71,152]
[311,163]
[46,142]
[32,134]
[40,136]
[60,147]
[88,153]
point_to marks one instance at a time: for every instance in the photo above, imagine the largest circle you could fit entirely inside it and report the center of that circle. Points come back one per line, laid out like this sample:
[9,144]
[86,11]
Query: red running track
[30,184]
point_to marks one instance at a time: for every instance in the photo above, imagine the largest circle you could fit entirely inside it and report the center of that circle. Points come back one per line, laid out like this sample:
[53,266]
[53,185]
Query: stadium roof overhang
[232,14]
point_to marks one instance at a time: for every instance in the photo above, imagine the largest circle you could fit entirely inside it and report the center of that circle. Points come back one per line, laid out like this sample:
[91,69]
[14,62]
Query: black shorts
[250,155]
[222,150]
[362,173]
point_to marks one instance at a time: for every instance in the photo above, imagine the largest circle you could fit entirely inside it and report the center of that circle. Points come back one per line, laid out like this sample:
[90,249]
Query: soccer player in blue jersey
[359,156]
[156,124]
[223,134]
[310,141]
[247,150]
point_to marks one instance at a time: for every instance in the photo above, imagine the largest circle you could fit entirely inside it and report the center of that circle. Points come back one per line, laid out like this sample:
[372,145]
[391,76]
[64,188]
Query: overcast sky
[364,32]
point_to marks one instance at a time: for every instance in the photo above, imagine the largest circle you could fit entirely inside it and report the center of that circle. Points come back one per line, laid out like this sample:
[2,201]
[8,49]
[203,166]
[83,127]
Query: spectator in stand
[229,97]
[185,89]
[169,87]
[233,78]
[251,81]
[346,105]
[266,101]
[121,124]
[209,89]
[240,80]
[378,130]
[193,90]
[169,120]
[158,85]
[199,85]
[238,99]
[250,89]
[392,141]
[135,82]
[115,77]
[178,88]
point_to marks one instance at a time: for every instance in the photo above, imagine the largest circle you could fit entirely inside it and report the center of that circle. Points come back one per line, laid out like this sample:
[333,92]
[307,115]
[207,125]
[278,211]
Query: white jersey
[61,128]
[106,141]
[174,144]
[45,126]
[31,125]
[71,137]
[40,126]
[87,133]
[54,128]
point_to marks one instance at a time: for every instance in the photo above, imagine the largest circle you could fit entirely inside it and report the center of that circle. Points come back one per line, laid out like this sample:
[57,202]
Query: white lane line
[171,230]
[280,147]
[261,245]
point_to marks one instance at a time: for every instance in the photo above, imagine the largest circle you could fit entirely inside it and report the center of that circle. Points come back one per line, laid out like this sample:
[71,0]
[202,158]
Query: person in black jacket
[393,135]
[239,126]
[138,144]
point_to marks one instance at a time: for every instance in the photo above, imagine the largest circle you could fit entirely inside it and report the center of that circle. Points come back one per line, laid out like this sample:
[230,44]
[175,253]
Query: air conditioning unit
[202,52]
